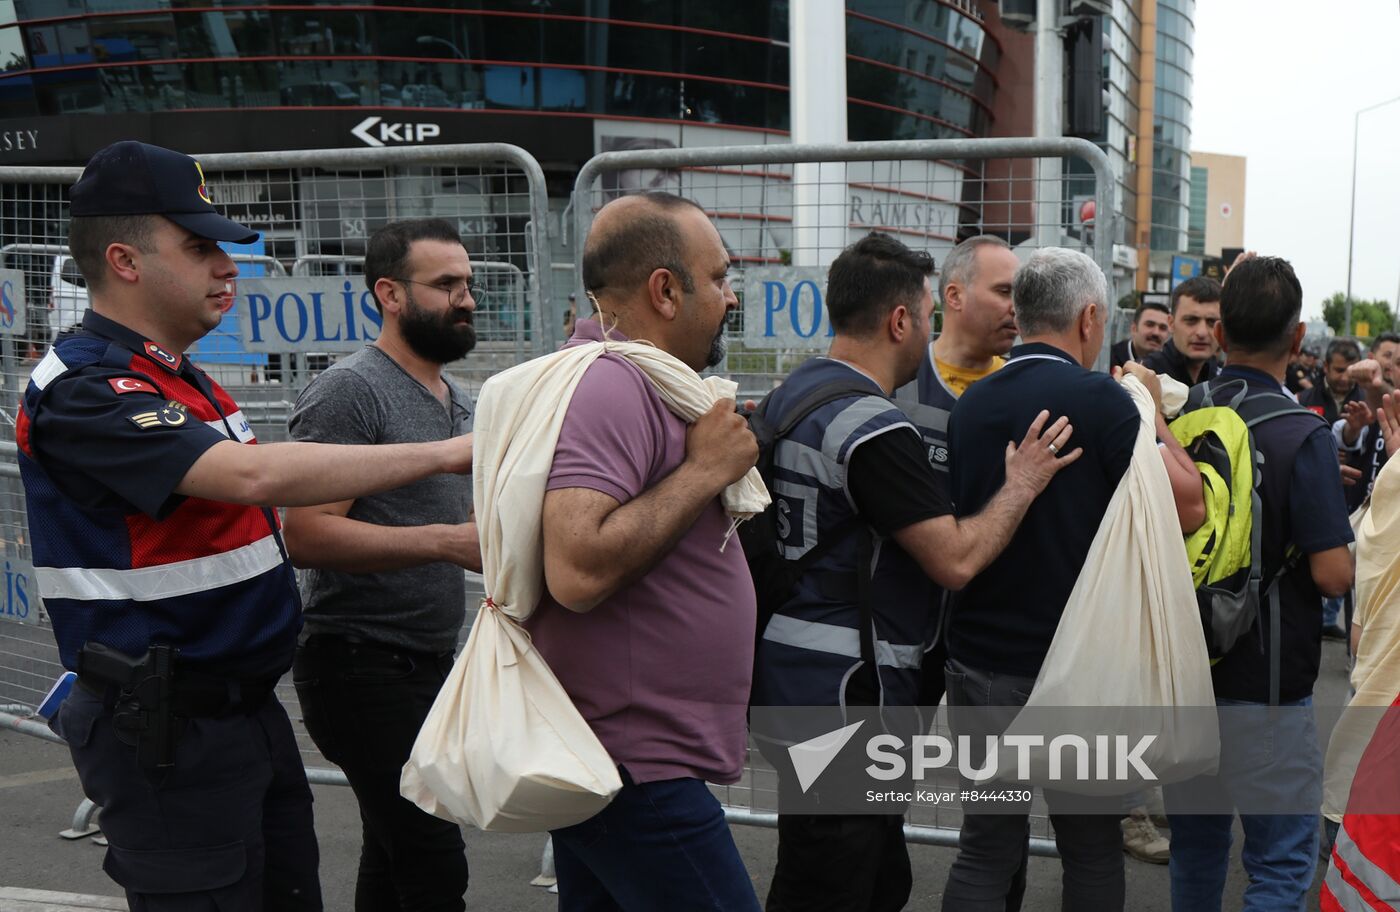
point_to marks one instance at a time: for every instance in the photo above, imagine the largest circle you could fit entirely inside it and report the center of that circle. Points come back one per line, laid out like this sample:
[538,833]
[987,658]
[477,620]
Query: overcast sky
[1280,82]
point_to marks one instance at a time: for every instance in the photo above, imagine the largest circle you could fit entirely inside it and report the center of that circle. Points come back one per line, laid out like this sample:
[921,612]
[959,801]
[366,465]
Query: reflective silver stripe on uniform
[844,641]
[1347,896]
[809,463]
[47,369]
[148,584]
[850,418]
[1377,879]
[925,416]
[787,493]
[243,432]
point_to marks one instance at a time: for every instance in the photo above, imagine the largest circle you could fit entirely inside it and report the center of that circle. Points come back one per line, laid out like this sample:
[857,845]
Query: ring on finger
[1054,450]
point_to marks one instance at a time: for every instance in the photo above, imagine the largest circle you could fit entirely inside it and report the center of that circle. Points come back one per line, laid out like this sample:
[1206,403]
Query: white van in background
[68,295]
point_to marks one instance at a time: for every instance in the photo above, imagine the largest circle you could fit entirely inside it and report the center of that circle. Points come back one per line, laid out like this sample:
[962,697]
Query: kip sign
[376,131]
[785,307]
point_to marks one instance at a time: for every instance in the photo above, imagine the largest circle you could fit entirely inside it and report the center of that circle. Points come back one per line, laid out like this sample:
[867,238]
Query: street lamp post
[1351,225]
[433,39]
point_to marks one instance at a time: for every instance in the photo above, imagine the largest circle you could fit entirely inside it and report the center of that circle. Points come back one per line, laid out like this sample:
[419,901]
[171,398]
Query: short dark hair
[1383,338]
[870,279]
[386,254]
[1149,305]
[1203,288]
[1260,306]
[89,236]
[650,240]
[1347,348]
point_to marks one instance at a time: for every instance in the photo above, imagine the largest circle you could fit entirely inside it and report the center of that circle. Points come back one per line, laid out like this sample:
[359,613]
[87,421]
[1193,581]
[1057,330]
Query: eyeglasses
[456,291]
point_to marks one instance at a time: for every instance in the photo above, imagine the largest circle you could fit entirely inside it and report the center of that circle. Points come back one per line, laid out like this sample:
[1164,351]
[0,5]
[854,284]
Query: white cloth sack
[1375,676]
[1129,655]
[503,746]
[1174,394]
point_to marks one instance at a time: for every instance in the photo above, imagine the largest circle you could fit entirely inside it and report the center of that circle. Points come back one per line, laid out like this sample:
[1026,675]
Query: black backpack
[774,576]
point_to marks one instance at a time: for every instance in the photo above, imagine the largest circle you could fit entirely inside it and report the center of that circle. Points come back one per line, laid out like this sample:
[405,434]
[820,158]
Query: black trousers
[363,705]
[840,863]
[989,873]
[229,828]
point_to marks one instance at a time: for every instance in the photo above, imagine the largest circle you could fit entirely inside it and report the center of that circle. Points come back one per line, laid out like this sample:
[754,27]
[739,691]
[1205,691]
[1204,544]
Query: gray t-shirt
[368,398]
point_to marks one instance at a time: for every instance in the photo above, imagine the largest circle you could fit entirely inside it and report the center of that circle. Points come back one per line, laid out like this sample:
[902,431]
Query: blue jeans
[1331,611]
[658,845]
[1279,757]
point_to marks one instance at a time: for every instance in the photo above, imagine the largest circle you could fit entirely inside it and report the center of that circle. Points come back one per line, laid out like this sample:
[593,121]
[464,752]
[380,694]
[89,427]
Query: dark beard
[719,347]
[439,338]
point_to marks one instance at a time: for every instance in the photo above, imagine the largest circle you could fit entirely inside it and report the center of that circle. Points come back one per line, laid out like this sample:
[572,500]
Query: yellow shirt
[958,379]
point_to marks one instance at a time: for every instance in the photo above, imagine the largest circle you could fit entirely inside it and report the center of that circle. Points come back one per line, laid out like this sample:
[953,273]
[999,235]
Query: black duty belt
[194,694]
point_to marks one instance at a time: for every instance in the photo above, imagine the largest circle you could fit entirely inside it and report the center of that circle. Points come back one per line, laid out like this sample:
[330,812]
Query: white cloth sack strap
[503,746]
[1129,655]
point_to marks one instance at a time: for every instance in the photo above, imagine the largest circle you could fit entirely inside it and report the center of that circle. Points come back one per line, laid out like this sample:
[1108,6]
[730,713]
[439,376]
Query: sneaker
[1334,632]
[1142,841]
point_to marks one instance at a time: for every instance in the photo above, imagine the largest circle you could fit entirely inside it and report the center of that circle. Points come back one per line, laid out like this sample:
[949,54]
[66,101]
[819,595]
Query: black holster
[140,693]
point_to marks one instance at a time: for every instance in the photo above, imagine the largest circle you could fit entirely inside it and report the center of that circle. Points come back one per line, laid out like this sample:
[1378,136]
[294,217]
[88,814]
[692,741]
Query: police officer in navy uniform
[856,471]
[160,561]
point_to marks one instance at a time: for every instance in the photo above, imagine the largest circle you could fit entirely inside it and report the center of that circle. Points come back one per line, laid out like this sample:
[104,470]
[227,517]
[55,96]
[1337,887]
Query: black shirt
[892,483]
[1170,361]
[1122,352]
[1005,619]
[1320,399]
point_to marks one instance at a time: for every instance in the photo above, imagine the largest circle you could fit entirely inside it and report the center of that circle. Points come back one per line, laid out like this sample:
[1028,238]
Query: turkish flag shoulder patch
[132,385]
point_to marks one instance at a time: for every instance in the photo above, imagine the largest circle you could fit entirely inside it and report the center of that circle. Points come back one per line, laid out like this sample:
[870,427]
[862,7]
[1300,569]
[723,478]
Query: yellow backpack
[1226,552]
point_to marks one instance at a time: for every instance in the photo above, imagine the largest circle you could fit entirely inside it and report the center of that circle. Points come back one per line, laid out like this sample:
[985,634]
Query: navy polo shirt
[1006,617]
[1304,505]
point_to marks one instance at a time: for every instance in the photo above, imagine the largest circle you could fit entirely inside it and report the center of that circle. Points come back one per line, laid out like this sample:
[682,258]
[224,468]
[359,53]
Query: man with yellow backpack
[1274,540]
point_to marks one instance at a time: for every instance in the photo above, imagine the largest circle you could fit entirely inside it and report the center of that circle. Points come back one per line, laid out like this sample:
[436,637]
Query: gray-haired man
[1002,623]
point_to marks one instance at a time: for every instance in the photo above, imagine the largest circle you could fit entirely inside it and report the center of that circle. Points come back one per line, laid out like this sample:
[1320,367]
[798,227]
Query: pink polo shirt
[661,669]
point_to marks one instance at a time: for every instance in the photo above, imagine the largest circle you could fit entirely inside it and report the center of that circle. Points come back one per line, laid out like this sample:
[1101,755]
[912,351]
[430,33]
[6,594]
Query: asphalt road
[39,793]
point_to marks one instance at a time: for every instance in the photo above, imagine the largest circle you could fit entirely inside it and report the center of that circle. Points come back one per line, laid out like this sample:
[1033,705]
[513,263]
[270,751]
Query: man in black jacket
[1329,398]
[1151,327]
[1189,355]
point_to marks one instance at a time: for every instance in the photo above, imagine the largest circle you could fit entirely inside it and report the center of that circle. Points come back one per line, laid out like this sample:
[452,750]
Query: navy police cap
[133,178]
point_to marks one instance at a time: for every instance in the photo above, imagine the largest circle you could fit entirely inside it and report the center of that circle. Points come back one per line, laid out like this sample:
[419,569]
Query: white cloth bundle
[503,746]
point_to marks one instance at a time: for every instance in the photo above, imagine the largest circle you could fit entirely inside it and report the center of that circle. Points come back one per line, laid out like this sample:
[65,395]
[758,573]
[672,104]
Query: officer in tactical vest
[853,479]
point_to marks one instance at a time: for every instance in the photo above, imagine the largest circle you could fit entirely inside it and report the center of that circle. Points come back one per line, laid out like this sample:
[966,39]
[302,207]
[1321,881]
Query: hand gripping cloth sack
[1129,656]
[503,747]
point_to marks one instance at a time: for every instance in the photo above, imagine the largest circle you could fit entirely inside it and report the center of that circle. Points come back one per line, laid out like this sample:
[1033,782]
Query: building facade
[566,79]
[1217,203]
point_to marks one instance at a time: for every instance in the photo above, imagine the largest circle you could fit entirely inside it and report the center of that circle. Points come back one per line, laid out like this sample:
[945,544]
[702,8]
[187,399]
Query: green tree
[1376,314]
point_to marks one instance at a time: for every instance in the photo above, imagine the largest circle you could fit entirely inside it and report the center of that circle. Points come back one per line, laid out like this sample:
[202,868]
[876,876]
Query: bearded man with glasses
[385,595]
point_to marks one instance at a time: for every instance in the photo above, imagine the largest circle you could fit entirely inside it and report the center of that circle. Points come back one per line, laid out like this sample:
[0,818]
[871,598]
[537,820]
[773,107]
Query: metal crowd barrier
[784,211]
[776,207]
